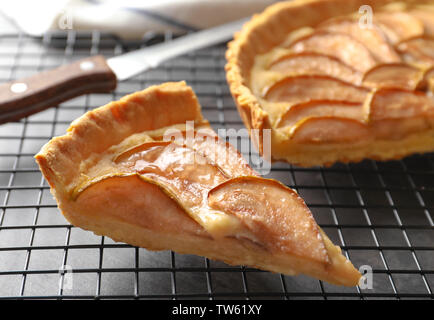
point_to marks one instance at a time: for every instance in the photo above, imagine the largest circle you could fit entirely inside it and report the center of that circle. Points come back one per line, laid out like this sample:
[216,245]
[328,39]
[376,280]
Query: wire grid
[379,213]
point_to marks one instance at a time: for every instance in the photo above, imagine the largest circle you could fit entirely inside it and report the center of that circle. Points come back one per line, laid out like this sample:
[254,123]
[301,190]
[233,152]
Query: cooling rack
[381,214]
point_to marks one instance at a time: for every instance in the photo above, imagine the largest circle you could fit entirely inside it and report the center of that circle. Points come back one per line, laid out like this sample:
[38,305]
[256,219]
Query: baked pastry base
[241,252]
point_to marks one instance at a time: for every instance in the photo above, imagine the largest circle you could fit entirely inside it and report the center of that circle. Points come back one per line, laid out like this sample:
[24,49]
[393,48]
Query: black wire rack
[381,214]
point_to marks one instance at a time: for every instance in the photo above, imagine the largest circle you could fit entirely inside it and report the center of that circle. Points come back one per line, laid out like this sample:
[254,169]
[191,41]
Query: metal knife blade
[132,63]
[26,96]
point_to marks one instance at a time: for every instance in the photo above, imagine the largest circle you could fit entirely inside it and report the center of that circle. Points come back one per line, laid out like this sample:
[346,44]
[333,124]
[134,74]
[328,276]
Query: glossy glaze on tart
[148,170]
[331,87]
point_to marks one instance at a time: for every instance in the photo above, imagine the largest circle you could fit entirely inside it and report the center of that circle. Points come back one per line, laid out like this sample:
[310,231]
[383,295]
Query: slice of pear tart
[148,170]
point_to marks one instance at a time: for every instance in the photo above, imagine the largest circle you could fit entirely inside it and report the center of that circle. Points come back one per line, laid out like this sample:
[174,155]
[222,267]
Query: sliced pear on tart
[330,129]
[373,38]
[305,88]
[400,104]
[394,75]
[427,19]
[318,108]
[399,25]
[340,46]
[275,221]
[427,82]
[418,49]
[133,170]
[311,63]
[392,108]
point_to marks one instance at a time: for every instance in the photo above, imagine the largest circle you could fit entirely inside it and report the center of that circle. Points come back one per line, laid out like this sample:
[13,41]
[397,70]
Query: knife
[23,97]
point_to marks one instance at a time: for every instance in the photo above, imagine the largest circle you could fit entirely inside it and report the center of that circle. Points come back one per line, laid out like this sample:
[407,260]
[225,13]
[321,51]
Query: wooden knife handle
[26,96]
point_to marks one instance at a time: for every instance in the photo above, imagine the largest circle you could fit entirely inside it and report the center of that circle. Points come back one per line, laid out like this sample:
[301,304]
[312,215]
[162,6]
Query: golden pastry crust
[114,174]
[266,36]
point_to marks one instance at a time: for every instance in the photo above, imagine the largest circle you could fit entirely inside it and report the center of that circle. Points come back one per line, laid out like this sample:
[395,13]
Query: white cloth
[129,19]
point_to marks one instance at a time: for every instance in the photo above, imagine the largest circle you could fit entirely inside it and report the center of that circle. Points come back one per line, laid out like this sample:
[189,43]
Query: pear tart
[333,85]
[148,170]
